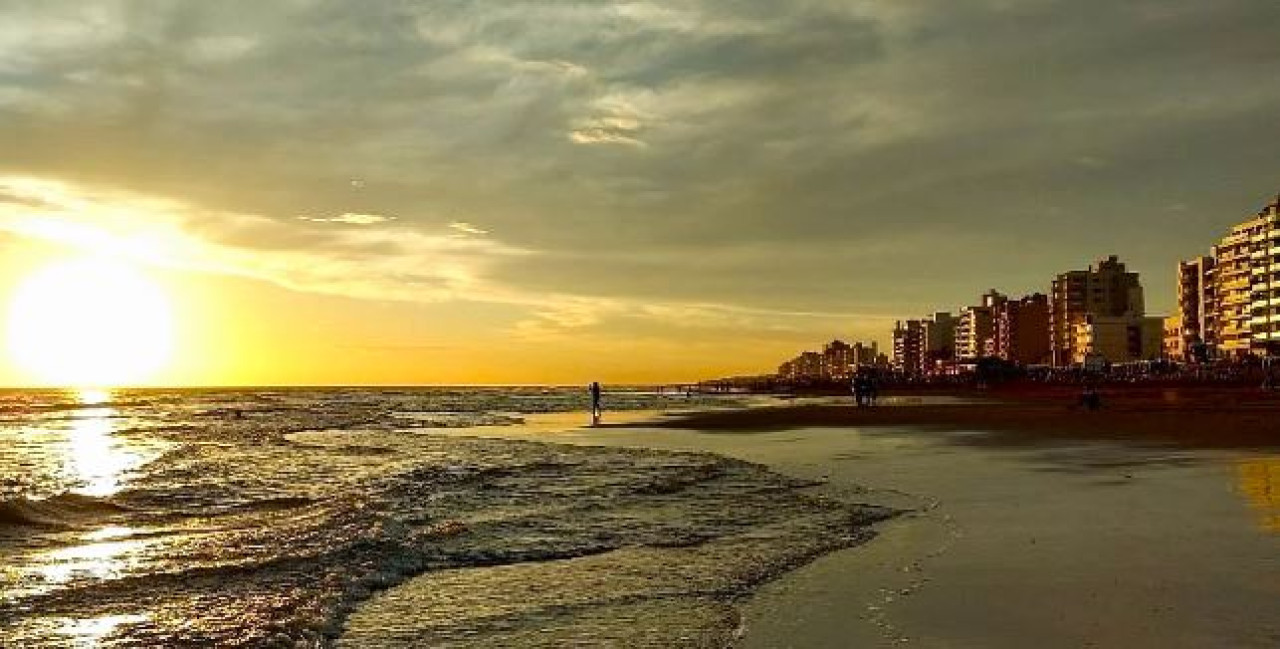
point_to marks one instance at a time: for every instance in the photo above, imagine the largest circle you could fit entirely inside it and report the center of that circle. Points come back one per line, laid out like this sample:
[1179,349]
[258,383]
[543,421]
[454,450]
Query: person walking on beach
[1090,399]
[595,403]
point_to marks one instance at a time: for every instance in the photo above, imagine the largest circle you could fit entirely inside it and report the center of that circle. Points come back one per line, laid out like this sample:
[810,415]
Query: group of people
[865,390]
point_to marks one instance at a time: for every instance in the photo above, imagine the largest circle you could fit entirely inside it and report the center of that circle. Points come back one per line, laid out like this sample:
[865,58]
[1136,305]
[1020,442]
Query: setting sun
[90,322]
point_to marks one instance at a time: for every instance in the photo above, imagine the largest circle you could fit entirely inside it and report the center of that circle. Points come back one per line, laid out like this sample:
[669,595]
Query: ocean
[343,517]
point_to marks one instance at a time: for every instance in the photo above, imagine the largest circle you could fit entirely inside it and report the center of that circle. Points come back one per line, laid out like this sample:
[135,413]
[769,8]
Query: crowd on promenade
[1250,372]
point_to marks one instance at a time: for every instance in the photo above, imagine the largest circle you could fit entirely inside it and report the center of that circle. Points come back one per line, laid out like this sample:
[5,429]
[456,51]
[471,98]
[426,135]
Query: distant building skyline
[837,361]
[1096,313]
[1227,305]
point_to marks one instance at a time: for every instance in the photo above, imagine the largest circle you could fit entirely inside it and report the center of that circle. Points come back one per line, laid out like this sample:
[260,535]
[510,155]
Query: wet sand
[1185,418]
[1022,531]
[1081,545]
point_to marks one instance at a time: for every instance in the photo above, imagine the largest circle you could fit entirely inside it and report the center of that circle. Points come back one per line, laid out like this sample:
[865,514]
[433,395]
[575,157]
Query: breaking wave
[64,511]
[303,518]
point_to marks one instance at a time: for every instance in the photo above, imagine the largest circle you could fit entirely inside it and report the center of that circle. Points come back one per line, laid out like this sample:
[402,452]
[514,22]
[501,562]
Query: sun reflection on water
[93,396]
[1259,483]
[96,460]
[98,561]
[90,632]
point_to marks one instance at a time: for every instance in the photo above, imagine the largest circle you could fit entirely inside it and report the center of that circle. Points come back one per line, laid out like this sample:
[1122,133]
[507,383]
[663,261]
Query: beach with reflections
[261,518]
[387,518]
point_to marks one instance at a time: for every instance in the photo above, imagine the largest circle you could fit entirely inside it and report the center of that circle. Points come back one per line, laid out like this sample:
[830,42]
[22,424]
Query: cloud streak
[465,228]
[350,218]
[384,263]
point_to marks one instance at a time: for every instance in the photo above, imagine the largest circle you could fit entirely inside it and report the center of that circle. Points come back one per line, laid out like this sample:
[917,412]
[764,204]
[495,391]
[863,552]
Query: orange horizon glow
[104,288]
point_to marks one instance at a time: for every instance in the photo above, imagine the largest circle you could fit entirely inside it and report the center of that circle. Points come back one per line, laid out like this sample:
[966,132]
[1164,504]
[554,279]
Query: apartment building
[975,328]
[1116,339]
[908,345]
[1264,282]
[1106,290]
[1022,330]
[1195,312]
[1230,302]
[1232,279]
[1175,345]
[939,341]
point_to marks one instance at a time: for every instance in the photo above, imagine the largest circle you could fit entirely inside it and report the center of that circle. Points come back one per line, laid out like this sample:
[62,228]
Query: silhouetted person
[1090,398]
[595,403]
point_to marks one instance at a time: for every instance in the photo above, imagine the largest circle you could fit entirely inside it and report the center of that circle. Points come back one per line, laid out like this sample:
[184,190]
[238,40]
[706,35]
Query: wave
[64,511]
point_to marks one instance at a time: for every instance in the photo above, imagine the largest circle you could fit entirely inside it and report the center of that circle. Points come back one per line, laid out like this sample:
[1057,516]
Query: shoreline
[1177,491]
[1166,481]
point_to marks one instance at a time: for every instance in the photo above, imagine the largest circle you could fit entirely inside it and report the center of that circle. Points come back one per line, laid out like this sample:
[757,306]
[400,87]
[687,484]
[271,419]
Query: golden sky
[299,316]
[454,192]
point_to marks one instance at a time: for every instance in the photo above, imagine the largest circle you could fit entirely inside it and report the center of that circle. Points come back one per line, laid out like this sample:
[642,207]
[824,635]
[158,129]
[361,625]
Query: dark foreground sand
[1189,418]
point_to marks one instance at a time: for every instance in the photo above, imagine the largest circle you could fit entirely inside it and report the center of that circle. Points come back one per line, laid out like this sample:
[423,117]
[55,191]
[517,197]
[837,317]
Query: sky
[551,191]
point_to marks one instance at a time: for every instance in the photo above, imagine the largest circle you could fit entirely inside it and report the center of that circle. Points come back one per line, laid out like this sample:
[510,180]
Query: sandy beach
[1190,418]
[1151,523]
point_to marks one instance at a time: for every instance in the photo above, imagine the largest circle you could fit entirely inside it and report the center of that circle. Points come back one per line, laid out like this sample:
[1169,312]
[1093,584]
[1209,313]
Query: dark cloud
[996,141]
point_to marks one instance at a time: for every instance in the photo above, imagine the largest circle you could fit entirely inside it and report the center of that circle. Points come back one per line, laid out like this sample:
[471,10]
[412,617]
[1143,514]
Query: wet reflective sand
[1066,544]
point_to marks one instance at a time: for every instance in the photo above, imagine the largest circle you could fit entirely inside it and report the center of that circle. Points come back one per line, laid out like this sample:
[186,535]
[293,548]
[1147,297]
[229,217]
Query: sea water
[341,517]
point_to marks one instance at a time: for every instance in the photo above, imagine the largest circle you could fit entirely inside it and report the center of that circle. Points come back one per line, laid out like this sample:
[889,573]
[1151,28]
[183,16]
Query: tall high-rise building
[1233,286]
[1264,300]
[1195,315]
[1106,290]
[1022,330]
[975,329]
[1230,302]
[939,344]
[908,345]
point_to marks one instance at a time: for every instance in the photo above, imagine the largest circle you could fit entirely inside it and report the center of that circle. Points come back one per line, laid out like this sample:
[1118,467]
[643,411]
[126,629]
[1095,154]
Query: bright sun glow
[90,322]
